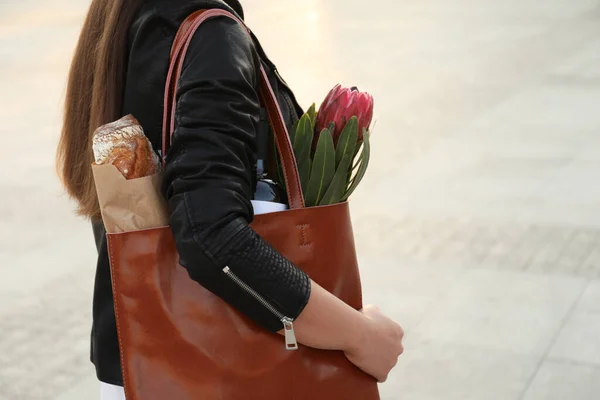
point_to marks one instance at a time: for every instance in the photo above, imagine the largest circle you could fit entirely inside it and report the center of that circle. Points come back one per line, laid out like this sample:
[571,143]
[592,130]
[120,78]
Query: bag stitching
[119,337]
[303,228]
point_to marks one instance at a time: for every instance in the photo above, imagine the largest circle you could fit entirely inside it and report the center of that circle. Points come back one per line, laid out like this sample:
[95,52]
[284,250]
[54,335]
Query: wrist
[359,333]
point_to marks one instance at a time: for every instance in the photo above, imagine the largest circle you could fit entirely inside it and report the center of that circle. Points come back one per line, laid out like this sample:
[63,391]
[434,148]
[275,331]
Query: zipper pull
[290,336]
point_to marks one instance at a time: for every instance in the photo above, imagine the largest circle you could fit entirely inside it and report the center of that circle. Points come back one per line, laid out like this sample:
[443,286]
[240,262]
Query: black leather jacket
[210,173]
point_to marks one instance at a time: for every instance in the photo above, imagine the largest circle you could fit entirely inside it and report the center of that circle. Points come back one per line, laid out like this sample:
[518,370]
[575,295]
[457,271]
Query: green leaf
[331,127]
[335,192]
[312,113]
[359,147]
[303,139]
[362,168]
[302,145]
[299,129]
[322,170]
[357,163]
[304,171]
[347,141]
[359,144]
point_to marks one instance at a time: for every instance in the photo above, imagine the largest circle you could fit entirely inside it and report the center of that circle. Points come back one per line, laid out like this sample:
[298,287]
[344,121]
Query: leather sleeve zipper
[288,323]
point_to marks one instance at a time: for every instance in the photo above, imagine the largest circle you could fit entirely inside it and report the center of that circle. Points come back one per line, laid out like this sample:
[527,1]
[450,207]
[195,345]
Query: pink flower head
[340,105]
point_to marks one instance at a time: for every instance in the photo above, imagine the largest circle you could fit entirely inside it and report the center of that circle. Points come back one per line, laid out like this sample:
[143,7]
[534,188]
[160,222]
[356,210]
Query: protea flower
[340,105]
[332,148]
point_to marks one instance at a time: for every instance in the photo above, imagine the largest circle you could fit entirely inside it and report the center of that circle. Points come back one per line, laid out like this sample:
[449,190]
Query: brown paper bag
[129,205]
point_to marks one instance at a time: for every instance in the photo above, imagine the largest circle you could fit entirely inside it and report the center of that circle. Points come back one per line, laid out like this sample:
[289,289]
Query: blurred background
[478,223]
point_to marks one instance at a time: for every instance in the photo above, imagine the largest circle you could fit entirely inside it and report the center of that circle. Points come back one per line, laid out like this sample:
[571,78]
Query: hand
[381,345]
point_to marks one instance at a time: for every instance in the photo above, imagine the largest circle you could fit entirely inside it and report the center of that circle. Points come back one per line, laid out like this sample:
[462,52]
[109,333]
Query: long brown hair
[94,95]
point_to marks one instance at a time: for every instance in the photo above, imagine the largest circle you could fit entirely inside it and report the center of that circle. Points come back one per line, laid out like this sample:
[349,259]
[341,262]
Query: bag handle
[267,96]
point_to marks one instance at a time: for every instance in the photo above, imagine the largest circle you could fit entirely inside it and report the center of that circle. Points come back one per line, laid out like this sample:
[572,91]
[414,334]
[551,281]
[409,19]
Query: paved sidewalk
[478,225]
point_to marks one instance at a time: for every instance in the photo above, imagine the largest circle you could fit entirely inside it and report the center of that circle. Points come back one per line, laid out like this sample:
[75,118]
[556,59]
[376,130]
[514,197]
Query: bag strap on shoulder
[284,147]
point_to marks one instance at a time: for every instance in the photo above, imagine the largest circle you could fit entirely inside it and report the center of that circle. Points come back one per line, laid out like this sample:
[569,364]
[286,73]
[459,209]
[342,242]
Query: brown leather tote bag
[178,341]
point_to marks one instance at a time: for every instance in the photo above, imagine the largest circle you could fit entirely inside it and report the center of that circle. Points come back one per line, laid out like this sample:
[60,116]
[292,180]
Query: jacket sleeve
[209,179]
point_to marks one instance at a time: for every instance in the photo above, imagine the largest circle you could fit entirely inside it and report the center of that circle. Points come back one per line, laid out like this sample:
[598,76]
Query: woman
[120,68]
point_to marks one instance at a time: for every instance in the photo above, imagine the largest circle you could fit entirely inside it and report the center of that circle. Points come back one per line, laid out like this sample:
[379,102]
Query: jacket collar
[236,6]
[229,5]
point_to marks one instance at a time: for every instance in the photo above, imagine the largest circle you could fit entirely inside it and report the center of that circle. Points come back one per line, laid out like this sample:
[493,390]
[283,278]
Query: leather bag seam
[302,228]
[124,370]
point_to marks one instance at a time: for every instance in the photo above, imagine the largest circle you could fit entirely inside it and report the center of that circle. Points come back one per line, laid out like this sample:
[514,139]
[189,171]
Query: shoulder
[157,21]
[223,39]
[171,13]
